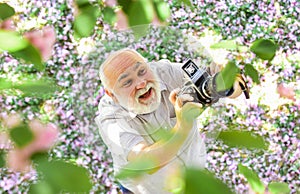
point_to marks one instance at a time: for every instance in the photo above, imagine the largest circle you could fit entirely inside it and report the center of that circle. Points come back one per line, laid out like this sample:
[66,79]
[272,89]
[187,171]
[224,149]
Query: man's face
[137,89]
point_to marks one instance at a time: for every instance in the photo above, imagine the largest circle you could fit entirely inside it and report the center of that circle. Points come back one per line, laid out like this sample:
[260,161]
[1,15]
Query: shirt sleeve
[170,73]
[117,136]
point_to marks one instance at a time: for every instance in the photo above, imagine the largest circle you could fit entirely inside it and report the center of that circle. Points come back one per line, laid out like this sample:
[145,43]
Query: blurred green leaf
[244,139]
[6,11]
[252,72]
[137,168]
[125,4]
[84,25]
[41,187]
[32,87]
[140,15]
[140,31]
[252,178]
[63,176]
[21,135]
[264,49]
[186,2]
[82,3]
[278,188]
[30,54]
[5,84]
[2,158]
[162,10]
[227,76]
[12,41]
[162,134]
[109,15]
[140,12]
[242,48]
[202,181]
[225,44]
[85,22]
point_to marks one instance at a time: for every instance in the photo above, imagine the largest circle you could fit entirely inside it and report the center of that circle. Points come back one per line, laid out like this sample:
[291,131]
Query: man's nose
[141,84]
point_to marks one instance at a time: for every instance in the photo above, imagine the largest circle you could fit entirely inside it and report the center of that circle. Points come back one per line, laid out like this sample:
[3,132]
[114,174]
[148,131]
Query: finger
[185,97]
[239,87]
[173,95]
[182,99]
[243,85]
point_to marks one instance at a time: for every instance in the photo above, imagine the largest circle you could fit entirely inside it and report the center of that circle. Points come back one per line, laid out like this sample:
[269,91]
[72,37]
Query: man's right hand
[186,110]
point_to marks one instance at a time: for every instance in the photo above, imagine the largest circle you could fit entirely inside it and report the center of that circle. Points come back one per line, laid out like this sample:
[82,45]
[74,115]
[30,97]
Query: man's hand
[239,87]
[186,110]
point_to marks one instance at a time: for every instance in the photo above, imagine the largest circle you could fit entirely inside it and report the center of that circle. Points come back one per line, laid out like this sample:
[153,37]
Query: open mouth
[146,95]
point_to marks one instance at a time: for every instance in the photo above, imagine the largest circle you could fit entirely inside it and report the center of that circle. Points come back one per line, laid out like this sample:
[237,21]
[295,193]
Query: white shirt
[121,130]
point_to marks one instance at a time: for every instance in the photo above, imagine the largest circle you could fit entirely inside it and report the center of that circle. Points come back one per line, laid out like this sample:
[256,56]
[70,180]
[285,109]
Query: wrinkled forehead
[119,64]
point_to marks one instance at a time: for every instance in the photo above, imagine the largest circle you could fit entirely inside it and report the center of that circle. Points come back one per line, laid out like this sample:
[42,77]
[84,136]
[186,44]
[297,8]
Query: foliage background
[75,64]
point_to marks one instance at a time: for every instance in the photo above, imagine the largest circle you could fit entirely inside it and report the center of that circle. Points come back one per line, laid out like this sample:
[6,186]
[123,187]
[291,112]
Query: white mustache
[144,90]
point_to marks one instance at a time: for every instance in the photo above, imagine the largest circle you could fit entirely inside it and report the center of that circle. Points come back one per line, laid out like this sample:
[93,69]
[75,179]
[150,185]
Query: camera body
[201,85]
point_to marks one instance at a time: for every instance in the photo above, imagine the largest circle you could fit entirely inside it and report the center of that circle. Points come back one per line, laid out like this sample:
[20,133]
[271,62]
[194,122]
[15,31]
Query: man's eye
[127,83]
[142,71]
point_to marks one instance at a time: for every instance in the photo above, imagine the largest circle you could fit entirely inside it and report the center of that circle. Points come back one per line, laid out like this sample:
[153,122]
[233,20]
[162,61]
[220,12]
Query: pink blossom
[4,140]
[45,136]
[43,40]
[7,24]
[18,160]
[122,22]
[110,3]
[286,92]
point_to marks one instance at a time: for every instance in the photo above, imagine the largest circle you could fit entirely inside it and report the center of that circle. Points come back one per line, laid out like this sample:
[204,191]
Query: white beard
[150,105]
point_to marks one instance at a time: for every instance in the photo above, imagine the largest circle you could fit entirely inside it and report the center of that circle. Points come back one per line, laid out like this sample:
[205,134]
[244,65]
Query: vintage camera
[202,86]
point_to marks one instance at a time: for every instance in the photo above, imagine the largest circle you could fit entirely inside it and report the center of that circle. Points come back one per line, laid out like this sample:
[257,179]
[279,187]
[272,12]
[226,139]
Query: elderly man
[141,100]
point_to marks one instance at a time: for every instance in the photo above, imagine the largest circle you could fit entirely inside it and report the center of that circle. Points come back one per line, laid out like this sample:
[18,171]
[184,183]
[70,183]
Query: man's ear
[110,94]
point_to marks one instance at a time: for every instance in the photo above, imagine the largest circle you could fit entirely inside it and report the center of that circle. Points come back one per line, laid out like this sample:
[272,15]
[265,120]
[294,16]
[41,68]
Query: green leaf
[242,48]
[125,4]
[243,139]
[137,168]
[63,176]
[162,10]
[12,41]
[252,72]
[5,84]
[21,135]
[186,2]
[85,22]
[109,15]
[84,25]
[278,188]
[140,13]
[202,181]
[2,158]
[264,49]
[82,3]
[227,76]
[30,54]
[40,88]
[225,44]
[252,178]
[6,11]
[41,187]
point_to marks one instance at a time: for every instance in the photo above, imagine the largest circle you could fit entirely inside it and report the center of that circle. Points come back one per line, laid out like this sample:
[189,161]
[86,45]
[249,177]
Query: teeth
[141,96]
